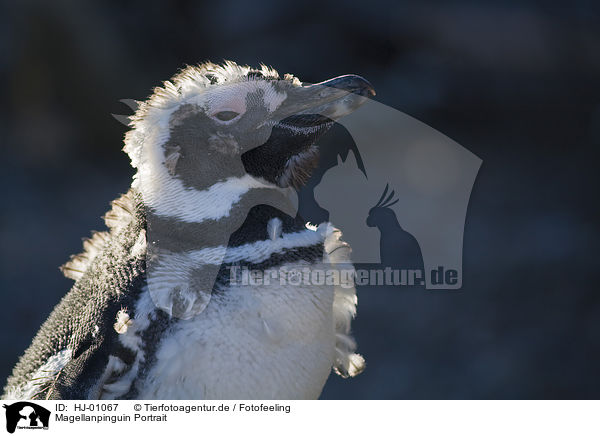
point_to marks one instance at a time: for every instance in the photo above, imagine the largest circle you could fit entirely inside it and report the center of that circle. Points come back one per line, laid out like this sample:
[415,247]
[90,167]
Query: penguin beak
[339,96]
[331,99]
[309,110]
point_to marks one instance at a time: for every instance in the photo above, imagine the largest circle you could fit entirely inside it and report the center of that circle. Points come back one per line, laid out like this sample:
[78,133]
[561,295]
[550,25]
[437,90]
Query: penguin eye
[226,115]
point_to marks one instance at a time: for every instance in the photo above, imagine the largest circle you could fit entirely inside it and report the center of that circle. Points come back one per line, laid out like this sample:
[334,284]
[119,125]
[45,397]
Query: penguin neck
[168,196]
[173,234]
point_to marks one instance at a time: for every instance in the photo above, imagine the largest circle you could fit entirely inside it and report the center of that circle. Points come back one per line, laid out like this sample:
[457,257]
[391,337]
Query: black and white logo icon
[26,415]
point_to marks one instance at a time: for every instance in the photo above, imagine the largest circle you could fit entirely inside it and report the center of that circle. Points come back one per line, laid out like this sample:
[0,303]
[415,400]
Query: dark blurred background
[515,82]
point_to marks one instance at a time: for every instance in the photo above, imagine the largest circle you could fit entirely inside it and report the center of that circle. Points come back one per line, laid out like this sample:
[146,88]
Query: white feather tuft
[337,254]
[44,374]
[123,322]
[274,229]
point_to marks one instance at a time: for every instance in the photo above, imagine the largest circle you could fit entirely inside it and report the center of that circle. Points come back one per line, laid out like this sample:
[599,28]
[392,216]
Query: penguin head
[212,123]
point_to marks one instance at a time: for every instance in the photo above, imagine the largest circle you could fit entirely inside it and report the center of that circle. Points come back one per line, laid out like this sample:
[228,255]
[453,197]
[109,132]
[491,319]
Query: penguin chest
[250,342]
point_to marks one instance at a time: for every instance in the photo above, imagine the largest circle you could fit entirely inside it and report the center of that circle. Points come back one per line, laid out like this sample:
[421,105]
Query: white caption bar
[295,417]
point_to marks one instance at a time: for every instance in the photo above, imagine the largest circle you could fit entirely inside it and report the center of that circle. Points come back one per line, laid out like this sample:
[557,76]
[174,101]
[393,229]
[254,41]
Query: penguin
[162,307]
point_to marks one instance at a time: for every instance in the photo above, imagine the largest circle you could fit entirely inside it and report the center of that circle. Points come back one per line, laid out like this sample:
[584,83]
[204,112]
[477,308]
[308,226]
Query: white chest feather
[267,342]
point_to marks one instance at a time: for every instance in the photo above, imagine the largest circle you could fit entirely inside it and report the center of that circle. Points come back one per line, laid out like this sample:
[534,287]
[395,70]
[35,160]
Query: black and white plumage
[152,313]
